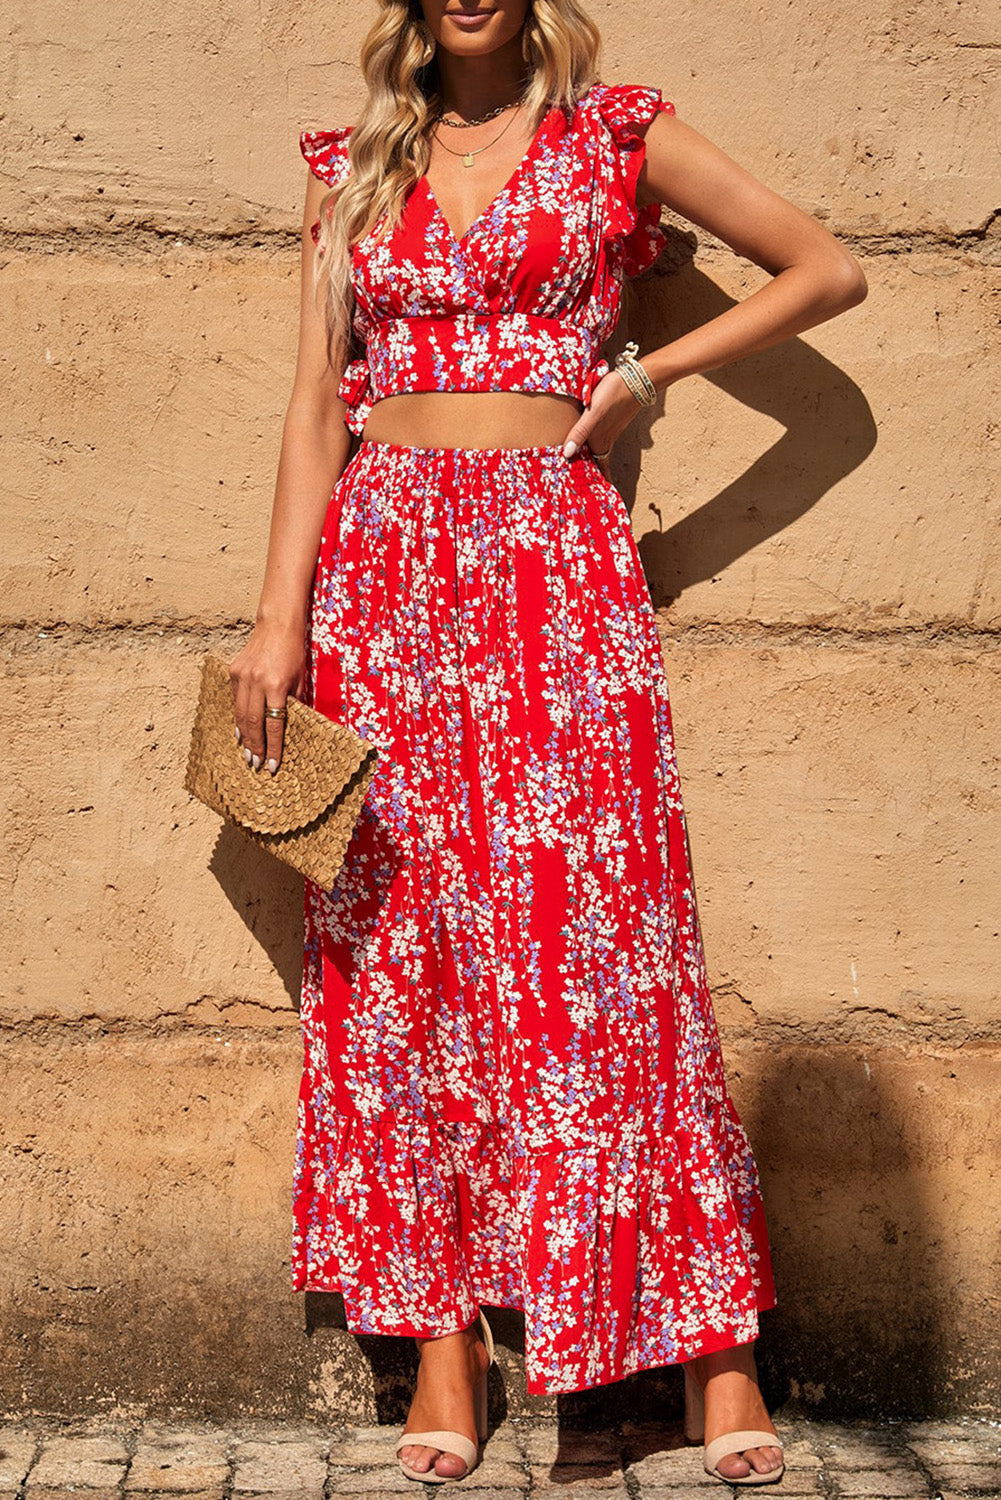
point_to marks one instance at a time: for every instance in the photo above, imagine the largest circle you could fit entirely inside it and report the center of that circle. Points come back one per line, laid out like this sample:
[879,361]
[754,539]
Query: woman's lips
[469,20]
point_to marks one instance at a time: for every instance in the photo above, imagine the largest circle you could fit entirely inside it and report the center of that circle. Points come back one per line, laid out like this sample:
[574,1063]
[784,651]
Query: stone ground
[105,1460]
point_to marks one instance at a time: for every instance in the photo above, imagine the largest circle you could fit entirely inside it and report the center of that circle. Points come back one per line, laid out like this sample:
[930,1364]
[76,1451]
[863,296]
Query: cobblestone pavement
[196,1461]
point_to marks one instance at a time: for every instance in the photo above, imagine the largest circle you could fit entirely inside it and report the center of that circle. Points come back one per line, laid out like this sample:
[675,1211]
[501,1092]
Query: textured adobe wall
[818,526]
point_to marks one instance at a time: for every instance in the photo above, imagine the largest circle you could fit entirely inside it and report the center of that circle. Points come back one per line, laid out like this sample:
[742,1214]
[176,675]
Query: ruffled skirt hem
[622,1258]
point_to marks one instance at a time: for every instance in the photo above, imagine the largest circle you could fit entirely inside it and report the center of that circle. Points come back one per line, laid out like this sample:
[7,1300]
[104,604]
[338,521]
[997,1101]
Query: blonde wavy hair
[389,149]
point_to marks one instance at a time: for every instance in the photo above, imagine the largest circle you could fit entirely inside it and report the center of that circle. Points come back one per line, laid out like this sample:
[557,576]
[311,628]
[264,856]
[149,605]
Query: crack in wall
[874,1028]
[26,637]
[980,241]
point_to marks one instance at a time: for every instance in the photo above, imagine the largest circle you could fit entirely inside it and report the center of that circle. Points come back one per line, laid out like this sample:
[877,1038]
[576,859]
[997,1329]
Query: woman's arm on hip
[815,276]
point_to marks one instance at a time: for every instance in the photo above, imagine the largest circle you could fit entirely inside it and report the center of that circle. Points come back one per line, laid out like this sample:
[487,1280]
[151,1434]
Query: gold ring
[275,713]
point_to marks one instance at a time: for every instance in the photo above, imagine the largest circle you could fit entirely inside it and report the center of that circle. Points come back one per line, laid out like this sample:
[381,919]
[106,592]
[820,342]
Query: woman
[513,1092]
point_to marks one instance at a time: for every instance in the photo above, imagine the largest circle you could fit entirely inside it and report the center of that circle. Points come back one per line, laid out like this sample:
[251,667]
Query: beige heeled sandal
[454,1442]
[727,1442]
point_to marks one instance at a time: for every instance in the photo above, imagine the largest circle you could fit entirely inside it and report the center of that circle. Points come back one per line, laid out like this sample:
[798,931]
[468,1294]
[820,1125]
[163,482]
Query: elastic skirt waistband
[543,459]
[551,450]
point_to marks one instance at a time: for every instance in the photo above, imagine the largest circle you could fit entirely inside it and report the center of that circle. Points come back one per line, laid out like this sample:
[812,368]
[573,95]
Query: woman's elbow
[847,282]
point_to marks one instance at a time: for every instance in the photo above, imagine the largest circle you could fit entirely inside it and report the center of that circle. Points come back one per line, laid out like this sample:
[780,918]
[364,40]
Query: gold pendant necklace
[468,156]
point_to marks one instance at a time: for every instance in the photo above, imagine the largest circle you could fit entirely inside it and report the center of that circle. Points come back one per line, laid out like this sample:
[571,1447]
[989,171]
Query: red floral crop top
[529,294]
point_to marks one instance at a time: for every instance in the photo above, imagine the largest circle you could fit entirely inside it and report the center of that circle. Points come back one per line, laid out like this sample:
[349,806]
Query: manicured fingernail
[272,765]
[246,753]
[256,762]
[236,729]
[569,448]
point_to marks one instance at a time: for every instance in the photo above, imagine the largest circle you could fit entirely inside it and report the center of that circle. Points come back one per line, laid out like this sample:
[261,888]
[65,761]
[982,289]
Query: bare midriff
[472,419]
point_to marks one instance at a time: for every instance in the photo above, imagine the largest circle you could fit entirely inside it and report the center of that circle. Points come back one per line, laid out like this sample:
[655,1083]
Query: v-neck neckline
[458,241]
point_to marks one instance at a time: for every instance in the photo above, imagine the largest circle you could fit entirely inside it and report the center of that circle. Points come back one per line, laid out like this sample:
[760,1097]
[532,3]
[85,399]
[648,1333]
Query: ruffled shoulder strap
[624,111]
[326,151]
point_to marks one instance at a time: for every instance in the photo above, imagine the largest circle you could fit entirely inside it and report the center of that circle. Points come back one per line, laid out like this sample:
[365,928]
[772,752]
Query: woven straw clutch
[306,812]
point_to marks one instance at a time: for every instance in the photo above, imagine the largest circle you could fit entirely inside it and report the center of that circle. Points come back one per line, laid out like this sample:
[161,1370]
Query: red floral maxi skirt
[513,1090]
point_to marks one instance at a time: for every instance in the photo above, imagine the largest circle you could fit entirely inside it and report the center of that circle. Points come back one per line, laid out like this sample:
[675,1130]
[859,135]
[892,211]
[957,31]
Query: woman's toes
[737,1465]
[418,1457]
[734,1466]
[764,1459]
[450,1465]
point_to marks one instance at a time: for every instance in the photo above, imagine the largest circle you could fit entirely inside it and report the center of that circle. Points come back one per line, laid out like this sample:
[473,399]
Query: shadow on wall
[829,430]
[268,898]
[858,1242]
